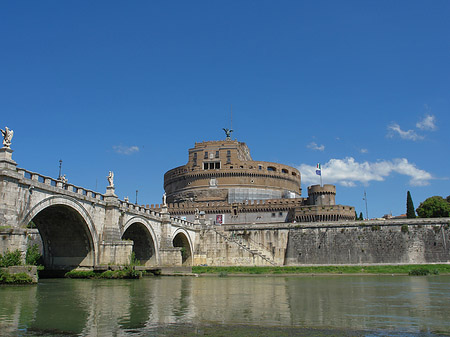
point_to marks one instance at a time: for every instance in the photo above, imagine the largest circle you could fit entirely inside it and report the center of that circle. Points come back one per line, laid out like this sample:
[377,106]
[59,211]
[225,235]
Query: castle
[222,183]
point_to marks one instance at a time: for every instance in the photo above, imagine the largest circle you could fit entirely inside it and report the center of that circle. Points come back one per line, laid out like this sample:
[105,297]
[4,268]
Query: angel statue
[111,178]
[228,133]
[7,136]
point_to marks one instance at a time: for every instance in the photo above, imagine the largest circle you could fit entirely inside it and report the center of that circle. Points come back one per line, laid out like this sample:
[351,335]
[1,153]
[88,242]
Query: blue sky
[363,87]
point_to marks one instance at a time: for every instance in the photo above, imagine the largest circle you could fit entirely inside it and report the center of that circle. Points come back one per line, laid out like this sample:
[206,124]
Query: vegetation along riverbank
[410,269]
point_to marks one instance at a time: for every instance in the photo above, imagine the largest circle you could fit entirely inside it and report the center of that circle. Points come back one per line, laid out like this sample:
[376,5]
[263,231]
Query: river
[229,306]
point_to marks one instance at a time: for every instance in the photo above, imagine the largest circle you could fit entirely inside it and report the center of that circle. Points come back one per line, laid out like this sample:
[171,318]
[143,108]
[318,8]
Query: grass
[381,269]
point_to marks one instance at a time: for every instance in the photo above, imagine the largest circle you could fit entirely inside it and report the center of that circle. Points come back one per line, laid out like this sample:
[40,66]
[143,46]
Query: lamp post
[60,164]
[136,196]
[365,199]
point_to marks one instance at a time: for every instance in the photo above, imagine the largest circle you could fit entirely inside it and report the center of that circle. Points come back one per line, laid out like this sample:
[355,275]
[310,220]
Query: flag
[319,170]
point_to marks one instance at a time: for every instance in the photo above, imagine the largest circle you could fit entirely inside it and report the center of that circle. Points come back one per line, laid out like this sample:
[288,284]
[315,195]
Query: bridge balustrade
[58,183]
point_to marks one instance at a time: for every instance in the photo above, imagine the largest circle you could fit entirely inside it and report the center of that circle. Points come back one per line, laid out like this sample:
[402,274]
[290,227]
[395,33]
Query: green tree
[410,213]
[434,207]
[361,216]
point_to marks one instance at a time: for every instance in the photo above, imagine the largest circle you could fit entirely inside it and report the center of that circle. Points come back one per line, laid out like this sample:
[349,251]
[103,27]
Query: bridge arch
[141,232]
[182,239]
[67,231]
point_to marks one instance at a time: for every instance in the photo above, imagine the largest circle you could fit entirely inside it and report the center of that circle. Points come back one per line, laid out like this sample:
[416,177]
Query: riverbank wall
[406,241]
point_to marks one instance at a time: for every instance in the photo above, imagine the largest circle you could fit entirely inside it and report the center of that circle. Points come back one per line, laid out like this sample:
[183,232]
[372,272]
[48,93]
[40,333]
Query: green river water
[229,306]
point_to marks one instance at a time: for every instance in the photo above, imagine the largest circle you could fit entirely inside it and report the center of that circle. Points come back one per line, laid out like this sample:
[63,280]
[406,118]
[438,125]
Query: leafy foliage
[410,213]
[13,258]
[423,272]
[33,255]
[434,207]
[19,278]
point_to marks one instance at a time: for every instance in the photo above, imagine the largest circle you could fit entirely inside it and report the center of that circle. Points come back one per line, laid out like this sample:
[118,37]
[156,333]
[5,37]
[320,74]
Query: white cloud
[126,150]
[315,147]
[348,172]
[364,151]
[428,123]
[394,128]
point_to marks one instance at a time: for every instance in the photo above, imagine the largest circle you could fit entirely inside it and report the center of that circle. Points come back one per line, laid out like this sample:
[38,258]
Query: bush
[405,229]
[80,274]
[33,255]
[11,259]
[419,272]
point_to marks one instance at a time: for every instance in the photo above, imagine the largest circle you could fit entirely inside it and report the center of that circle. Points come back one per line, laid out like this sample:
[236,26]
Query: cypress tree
[410,213]
[361,216]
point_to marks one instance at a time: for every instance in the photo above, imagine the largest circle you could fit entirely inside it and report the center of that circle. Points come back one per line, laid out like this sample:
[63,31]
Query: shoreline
[363,270]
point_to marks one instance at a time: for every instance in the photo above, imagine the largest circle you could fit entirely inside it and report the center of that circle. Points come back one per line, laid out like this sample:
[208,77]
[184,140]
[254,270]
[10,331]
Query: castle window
[211,165]
[195,159]
[228,156]
[284,171]
[271,168]
[294,174]
[206,155]
[260,167]
[217,154]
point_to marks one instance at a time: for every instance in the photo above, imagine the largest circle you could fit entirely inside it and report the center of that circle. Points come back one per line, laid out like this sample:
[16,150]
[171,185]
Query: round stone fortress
[223,182]
[225,171]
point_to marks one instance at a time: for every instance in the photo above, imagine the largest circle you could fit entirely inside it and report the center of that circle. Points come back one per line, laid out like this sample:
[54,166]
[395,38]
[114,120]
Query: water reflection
[122,307]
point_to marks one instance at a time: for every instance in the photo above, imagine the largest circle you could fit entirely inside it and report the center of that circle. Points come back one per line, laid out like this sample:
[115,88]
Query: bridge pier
[112,249]
[170,256]
[12,238]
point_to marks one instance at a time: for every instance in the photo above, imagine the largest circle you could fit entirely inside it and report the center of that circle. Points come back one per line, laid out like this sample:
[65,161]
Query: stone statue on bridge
[7,136]
[164,199]
[111,179]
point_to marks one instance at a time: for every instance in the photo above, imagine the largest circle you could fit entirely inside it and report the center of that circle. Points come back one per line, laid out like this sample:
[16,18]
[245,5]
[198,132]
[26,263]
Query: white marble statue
[164,199]
[111,179]
[64,179]
[7,136]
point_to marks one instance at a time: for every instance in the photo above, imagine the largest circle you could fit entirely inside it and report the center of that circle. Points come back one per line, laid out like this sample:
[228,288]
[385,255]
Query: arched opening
[180,240]
[144,246]
[67,242]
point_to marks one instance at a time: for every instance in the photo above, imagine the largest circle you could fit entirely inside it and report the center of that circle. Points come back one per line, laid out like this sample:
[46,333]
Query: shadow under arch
[144,241]
[181,239]
[67,231]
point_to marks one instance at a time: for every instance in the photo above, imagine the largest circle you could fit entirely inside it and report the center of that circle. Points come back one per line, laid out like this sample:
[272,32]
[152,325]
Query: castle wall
[413,241]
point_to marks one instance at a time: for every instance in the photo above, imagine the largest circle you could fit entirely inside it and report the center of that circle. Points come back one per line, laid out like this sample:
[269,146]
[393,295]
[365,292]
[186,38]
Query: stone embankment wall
[413,241]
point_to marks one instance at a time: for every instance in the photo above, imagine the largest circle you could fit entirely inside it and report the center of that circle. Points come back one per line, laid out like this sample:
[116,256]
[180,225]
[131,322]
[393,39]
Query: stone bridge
[82,228]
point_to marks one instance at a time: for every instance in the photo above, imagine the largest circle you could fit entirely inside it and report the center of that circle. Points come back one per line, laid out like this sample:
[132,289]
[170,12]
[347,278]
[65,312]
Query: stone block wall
[377,242]
[366,244]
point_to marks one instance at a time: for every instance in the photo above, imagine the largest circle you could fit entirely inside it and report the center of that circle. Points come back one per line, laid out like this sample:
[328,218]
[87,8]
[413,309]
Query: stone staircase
[246,246]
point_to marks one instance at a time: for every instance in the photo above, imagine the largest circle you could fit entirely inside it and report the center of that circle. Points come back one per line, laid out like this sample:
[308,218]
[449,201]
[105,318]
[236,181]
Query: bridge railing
[151,211]
[59,184]
[181,222]
[138,208]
